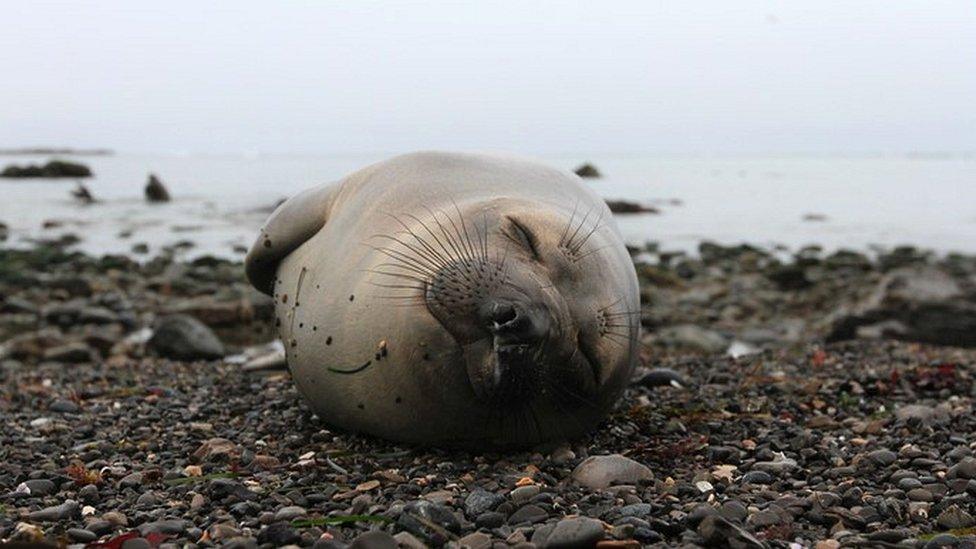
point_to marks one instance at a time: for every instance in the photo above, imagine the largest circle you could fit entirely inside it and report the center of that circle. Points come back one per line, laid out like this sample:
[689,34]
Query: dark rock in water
[156,191]
[587,170]
[923,304]
[4,232]
[53,169]
[625,207]
[182,337]
[814,217]
[82,193]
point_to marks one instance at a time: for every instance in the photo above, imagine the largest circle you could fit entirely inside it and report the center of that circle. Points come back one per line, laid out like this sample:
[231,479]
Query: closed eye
[523,236]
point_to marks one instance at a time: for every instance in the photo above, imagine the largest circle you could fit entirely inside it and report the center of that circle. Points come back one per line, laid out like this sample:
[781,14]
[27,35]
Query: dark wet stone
[419,514]
[757,477]
[278,534]
[68,509]
[571,533]
[168,526]
[136,543]
[41,486]
[155,190]
[480,501]
[182,337]
[375,539]
[530,513]
[718,532]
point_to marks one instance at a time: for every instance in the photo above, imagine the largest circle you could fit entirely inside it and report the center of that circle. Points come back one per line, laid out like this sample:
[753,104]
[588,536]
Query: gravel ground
[860,443]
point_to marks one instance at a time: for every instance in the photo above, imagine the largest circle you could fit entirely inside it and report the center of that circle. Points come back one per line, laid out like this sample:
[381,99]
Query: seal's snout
[513,323]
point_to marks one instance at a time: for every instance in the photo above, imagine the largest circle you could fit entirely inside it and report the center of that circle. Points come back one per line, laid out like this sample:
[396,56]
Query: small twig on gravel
[335,466]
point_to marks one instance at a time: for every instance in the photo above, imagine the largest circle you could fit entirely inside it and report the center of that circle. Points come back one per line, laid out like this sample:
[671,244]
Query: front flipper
[290,225]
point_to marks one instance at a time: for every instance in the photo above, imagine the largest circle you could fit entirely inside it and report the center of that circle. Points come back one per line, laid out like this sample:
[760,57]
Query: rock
[215,449]
[530,513]
[599,472]
[662,377]
[477,540]
[523,494]
[155,190]
[925,303]
[690,336]
[953,517]
[925,415]
[278,534]
[136,543]
[406,540]
[68,509]
[64,407]
[789,277]
[82,194]
[375,539]
[290,513]
[182,337]
[570,533]
[80,535]
[966,468]
[480,501]
[73,353]
[718,532]
[170,527]
[428,521]
[53,169]
[587,170]
[757,477]
[883,457]
[627,207]
[40,486]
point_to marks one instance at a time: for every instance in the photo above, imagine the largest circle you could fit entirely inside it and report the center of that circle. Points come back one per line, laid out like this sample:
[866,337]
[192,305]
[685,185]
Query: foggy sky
[533,77]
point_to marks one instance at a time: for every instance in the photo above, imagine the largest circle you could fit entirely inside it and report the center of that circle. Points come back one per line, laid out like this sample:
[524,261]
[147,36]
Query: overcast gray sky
[534,77]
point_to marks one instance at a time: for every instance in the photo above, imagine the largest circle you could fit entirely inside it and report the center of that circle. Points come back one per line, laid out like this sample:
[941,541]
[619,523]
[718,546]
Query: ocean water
[220,201]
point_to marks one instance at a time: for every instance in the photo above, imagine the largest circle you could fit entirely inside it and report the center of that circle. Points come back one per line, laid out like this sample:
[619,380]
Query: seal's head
[542,302]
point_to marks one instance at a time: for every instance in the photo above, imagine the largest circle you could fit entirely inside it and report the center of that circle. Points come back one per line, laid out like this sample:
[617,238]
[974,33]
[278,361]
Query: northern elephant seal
[453,299]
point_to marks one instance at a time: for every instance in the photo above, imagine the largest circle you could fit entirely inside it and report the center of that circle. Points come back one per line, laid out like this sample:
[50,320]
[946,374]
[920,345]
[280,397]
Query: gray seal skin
[453,300]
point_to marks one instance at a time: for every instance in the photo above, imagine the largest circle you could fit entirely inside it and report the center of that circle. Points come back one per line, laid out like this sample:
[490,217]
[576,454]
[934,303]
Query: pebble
[290,513]
[374,540]
[603,471]
[64,407]
[530,513]
[570,533]
[278,534]
[66,510]
[480,501]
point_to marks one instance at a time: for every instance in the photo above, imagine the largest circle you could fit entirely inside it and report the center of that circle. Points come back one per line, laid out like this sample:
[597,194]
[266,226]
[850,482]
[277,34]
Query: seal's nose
[513,322]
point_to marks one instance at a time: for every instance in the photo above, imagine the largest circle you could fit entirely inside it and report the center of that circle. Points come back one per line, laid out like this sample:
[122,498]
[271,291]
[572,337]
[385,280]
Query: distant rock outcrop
[53,169]
[625,207]
[82,193]
[925,304]
[587,170]
[156,191]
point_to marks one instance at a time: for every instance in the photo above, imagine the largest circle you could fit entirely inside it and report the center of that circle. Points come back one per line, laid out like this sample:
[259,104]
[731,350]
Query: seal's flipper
[291,224]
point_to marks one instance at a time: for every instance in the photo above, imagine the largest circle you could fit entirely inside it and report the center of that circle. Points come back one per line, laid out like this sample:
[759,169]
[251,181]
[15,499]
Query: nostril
[503,315]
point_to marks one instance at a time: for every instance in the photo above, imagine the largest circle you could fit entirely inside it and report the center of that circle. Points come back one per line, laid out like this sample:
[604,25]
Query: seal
[453,300]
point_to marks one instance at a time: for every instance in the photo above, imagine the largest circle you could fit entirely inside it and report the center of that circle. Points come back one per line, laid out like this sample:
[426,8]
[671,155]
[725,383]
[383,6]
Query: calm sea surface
[220,201]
